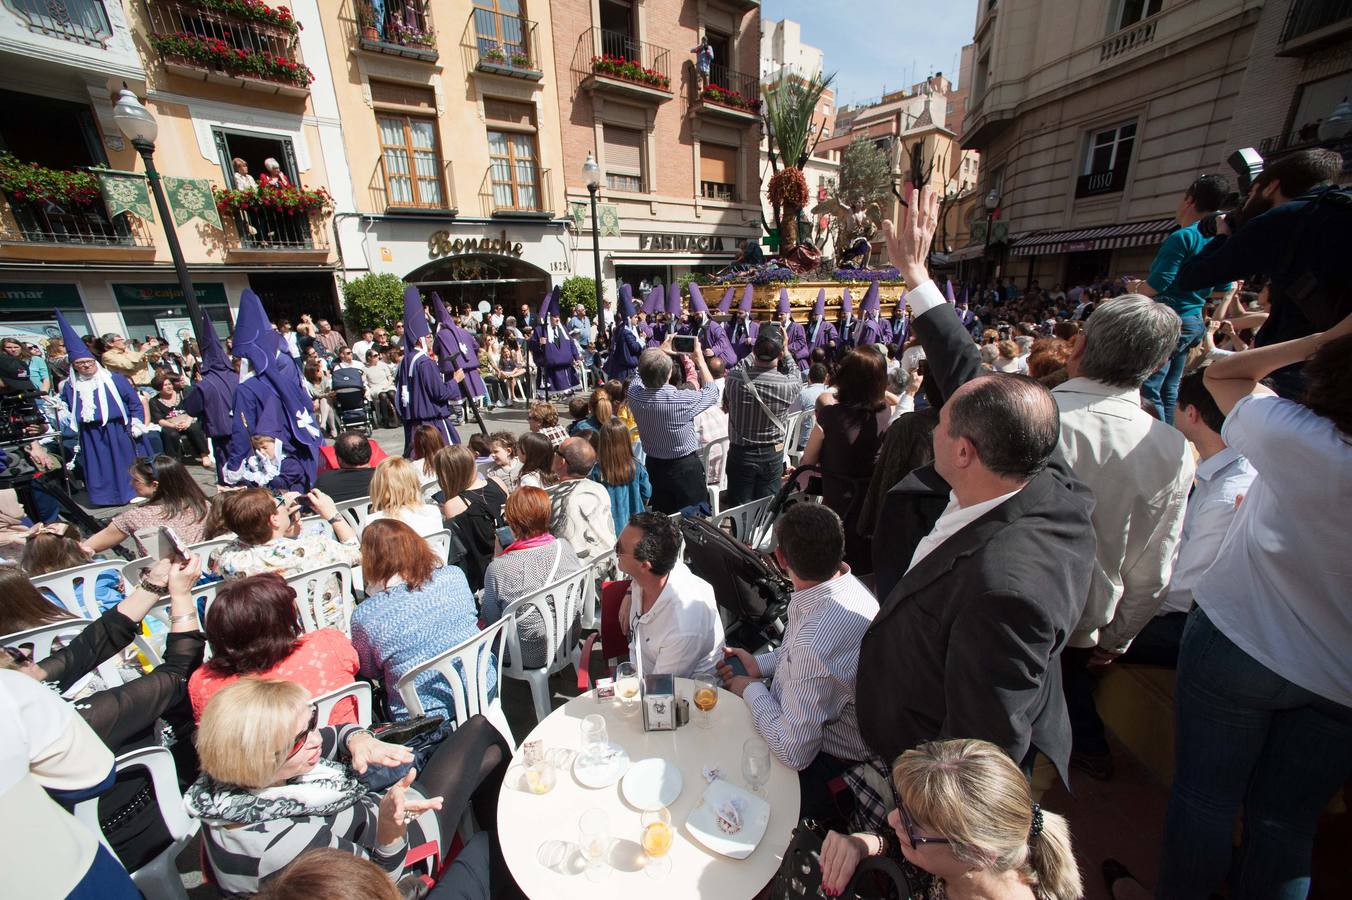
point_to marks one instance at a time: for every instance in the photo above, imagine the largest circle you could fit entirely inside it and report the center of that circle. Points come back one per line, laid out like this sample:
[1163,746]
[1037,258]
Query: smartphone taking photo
[683,343]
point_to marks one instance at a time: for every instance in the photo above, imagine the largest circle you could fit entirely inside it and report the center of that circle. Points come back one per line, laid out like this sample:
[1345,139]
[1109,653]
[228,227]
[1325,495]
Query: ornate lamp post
[992,204]
[591,174]
[140,127]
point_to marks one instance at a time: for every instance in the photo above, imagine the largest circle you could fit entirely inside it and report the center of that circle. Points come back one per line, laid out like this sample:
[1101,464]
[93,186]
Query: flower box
[216,54]
[628,70]
[31,183]
[286,200]
[714,94]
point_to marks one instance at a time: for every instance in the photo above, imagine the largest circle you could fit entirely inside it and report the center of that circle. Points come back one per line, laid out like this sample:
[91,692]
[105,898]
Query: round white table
[539,832]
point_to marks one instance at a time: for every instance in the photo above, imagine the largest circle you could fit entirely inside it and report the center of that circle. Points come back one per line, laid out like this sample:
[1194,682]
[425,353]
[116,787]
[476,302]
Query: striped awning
[1101,237]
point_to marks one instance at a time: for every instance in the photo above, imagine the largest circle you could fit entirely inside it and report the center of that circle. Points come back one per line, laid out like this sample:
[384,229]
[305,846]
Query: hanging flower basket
[628,70]
[31,183]
[293,200]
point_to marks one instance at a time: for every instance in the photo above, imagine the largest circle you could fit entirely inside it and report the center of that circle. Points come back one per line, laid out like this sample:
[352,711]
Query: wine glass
[593,831]
[755,764]
[657,837]
[594,738]
[706,698]
[627,688]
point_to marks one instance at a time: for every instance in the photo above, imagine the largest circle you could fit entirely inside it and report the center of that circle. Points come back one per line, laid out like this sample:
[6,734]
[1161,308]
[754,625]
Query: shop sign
[168,294]
[40,295]
[700,243]
[441,244]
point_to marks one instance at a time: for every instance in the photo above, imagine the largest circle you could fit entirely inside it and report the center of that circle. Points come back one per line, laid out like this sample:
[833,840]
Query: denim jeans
[1161,388]
[753,472]
[1245,736]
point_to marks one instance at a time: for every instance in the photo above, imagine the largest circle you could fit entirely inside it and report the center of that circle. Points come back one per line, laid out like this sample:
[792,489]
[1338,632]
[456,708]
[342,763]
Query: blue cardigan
[626,499]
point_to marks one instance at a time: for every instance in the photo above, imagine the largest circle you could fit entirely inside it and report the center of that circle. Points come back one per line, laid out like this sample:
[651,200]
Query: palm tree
[788,108]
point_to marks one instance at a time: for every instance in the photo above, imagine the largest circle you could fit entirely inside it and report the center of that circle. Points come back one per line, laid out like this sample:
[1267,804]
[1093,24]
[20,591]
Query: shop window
[623,158]
[718,171]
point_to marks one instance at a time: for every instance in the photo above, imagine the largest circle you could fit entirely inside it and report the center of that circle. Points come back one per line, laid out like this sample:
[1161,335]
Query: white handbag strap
[751,386]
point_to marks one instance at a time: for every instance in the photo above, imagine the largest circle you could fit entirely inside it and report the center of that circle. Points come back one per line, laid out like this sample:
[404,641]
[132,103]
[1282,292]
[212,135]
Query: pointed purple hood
[726,303]
[819,308]
[697,303]
[674,300]
[76,348]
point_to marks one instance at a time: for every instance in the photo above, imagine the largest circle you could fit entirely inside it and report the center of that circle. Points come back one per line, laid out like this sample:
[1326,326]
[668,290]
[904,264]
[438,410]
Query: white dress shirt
[954,518]
[359,351]
[682,634]
[1280,585]
[1140,470]
[1221,479]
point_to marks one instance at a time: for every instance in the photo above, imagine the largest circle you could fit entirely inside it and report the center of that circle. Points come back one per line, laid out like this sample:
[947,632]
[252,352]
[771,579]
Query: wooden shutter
[504,113]
[405,95]
[623,151]
[717,163]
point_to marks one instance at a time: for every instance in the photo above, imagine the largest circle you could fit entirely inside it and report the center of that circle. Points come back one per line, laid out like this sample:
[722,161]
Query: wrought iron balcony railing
[424,186]
[1306,17]
[397,27]
[259,50]
[617,57]
[274,230]
[45,222]
[502,44]
[731,89]
[518,189]
[81,21]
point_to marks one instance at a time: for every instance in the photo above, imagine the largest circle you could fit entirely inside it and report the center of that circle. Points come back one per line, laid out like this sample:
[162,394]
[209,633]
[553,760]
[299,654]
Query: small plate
[703,820]
[651,784]
[604,772]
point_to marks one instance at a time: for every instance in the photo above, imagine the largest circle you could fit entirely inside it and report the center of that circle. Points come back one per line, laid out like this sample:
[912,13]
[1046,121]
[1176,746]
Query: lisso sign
[441,244]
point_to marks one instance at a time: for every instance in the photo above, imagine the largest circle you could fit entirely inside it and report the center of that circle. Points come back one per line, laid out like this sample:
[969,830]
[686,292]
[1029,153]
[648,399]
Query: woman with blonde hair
[967,820]
[1008,359]
[396,493]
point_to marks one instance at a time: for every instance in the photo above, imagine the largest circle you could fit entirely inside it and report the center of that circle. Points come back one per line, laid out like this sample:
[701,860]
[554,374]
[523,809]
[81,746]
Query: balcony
[611,62]
[81,21]
[268,231]
[69,224]
[1128,39]
[1311,24]
[515,199]
[405,30]
[499,44]
[728,94]
[256,51]
[429,191]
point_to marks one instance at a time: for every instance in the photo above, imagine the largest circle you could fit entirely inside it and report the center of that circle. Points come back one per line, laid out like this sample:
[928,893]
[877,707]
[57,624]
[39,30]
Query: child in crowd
[52,548]
[506,467]
[483,452]
[579,409]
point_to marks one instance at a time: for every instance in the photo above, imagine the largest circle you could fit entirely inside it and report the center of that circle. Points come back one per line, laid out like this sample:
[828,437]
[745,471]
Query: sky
[877,45]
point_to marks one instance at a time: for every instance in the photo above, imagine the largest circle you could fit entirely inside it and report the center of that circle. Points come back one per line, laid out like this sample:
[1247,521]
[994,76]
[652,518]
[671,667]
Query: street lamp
[992,202]
[140,127]
[591,174]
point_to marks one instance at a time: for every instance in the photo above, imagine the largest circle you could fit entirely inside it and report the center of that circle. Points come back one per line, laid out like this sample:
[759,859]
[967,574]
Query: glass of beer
[706,698]
[626,688]
[657,837]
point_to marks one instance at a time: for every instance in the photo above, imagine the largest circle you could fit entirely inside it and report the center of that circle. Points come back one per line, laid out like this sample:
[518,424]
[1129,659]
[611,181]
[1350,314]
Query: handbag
[800,873]
[421,734]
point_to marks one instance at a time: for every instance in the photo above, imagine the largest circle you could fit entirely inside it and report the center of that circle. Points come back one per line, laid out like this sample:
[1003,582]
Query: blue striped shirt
[666,417]
[808,706]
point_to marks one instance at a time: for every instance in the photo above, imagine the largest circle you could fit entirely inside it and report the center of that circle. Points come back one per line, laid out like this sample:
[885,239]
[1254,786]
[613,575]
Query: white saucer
[651,784]
[703,825]
[603,772]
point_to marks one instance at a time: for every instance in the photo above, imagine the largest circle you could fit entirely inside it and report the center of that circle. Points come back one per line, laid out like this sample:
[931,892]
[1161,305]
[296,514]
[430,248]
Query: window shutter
[623,151]
[507,113]
[406,95]
[717,163]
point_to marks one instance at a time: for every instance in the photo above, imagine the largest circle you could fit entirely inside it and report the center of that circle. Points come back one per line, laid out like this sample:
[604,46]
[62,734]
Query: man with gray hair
[665,415]
[1140,471]
[580,511]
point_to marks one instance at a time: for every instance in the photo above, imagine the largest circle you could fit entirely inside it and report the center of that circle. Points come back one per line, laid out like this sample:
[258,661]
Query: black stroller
[349,399]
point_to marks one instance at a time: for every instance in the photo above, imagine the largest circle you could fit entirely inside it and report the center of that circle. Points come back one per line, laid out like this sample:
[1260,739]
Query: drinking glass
[594,738]
[540,777]
[657,837]
[755,764]
[627,688]
[706,698]
[593,831]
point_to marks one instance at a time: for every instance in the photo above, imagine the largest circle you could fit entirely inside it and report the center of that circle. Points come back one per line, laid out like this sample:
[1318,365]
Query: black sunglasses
[18,657]
[304,736]
[916,840]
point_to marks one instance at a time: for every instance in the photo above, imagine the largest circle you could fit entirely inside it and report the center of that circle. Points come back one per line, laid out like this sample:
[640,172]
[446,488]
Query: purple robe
[259,411]
[107,451]
[742,336]
[848,332]
[448,361]
[468,347]
[715,339]
[870,332]
[797,339]
[625,347]
[422,398]
[820,333]
[559,356]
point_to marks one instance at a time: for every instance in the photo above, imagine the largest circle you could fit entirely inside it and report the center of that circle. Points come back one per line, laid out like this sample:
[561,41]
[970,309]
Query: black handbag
[800,874]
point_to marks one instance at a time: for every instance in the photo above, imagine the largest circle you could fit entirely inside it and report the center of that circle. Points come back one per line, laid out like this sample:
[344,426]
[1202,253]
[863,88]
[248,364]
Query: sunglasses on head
[299,743]
[916,840]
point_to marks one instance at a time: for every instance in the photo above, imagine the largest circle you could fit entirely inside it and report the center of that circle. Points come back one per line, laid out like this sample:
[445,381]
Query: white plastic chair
[440,542]
[469,681]
[359,690]
[568,594]
[717,481]
[603,568]
[324,597]
[133,571]
[74,588]
[745,519]
[157,879]
[792,448]
[144,538]
[357,511]
[43,637]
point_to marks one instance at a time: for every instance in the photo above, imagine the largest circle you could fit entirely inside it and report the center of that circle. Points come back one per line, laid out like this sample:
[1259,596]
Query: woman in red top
[253,629]
[273,176]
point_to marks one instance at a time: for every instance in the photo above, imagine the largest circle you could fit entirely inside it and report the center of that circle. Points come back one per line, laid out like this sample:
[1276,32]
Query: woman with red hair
[253,629]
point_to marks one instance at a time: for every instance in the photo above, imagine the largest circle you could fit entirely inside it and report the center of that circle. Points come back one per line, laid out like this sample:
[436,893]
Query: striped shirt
[748,420]
[666,417]
[808,707]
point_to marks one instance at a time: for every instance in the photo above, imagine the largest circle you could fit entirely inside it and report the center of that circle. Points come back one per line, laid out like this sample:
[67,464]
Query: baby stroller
[349,400]
[753,595]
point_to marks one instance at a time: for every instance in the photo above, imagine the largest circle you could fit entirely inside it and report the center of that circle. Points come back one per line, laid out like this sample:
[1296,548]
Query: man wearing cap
[105,409]
[759,391]
[625,341]
[422,396]
[820,333]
